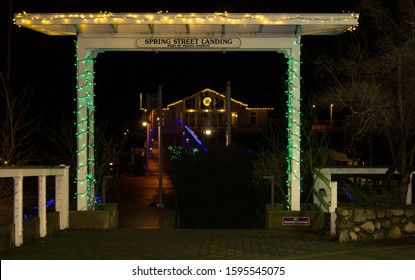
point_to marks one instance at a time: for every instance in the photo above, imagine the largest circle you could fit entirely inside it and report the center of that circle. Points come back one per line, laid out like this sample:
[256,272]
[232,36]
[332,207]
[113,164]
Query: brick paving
[221,244]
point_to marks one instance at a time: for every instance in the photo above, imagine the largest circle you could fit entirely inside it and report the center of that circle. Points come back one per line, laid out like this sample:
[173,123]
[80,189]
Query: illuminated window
[190,119]
[234,118]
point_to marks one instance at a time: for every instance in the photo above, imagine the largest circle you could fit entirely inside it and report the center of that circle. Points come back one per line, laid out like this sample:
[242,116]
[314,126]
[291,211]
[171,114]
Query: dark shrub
[215,190]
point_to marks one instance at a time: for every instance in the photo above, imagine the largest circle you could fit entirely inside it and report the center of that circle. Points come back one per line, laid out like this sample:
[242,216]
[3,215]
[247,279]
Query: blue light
[49,203]
[194,136]
[98,200]
[348,194]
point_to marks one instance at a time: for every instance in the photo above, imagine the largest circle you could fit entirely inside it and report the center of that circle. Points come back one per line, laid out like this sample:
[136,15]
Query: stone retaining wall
[374,224]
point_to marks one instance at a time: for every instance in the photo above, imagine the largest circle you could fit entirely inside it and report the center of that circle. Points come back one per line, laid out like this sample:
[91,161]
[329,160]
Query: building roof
[207,90]
[248,24]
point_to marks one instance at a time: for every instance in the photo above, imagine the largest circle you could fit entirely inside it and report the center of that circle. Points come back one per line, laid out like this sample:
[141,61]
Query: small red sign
[296,221]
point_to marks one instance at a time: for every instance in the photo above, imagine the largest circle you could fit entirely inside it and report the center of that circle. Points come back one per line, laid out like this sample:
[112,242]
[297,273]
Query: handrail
[316,193]
[322,177]
[61,195]
[329,206]
[321,200]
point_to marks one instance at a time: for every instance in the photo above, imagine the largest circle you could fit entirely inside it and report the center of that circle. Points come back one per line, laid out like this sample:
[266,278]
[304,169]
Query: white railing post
[62,198]
[333,206]
[18,209]
[42,205]
[410,189]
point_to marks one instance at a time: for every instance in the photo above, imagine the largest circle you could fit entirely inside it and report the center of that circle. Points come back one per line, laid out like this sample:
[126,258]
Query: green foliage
[369,196]
[214,189]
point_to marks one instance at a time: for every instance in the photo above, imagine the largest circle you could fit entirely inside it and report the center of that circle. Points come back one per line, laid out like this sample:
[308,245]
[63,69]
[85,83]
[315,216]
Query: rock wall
[374,224]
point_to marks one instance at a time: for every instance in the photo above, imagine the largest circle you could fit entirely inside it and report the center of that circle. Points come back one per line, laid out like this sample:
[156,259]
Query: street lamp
[331,115]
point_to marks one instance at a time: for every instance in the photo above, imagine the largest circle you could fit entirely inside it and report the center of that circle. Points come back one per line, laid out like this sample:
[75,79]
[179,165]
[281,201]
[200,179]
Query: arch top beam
[266,24]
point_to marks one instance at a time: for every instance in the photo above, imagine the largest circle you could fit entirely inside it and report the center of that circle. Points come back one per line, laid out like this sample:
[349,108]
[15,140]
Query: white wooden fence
[61,174]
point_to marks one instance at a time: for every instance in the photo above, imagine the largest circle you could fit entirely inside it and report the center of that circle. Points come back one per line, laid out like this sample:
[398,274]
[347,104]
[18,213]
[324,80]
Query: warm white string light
[163,18]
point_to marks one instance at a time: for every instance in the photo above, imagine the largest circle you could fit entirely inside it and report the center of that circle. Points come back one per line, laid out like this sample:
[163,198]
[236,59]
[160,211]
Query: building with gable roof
[205,112]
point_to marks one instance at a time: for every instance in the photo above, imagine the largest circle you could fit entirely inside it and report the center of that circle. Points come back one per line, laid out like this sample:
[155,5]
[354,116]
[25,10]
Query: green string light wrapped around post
[294,123]
[85,170]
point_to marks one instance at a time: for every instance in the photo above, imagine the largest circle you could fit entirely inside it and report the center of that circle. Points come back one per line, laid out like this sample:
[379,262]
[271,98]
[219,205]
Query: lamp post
[150,107]
[148,122]
[331,116]
[160,147]
[228,115]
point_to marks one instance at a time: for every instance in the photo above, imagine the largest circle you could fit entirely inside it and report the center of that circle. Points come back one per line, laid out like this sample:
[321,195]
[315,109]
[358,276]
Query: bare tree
[17,130]
[62,149]
[108,149]
[374,81]
[271,160]
[17,145]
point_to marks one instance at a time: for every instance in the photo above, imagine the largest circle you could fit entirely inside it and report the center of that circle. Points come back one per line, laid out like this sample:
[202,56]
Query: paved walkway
[179,244]
[139,196]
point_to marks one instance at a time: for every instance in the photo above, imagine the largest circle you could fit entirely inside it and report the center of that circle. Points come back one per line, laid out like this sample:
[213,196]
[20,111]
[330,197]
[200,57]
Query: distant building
[206,110]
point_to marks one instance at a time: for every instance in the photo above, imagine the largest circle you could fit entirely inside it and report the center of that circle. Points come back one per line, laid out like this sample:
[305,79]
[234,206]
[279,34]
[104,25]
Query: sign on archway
[184,32]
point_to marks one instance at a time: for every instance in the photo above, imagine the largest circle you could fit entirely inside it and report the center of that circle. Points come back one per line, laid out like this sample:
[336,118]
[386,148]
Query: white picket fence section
[61,174]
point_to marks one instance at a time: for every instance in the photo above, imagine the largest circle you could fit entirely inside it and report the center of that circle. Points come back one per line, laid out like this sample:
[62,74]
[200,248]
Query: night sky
[46,64]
